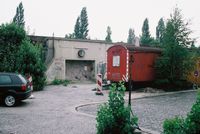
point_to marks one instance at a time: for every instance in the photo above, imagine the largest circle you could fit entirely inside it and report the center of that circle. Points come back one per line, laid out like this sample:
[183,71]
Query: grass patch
[60,82]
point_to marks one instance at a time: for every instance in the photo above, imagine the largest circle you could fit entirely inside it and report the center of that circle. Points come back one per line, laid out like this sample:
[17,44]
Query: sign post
[196,74]
[130,79]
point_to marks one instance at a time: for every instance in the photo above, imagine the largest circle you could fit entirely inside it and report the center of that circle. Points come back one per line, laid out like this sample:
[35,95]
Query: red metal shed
[118,65]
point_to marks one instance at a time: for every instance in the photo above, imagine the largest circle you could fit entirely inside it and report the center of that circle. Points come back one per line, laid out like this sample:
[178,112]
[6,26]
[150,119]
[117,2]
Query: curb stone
[161,94]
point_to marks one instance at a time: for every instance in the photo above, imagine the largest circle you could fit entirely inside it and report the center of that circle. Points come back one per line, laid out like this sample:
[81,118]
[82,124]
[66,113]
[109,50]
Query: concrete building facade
[76,60]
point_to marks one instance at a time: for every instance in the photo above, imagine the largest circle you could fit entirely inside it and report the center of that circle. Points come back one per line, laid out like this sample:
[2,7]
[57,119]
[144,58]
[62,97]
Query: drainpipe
[53,48]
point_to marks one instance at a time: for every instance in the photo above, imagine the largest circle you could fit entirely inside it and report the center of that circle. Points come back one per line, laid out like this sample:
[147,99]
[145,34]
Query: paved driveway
[53,111]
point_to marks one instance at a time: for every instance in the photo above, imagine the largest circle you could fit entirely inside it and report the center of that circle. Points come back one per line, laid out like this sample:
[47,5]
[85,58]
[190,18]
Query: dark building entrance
[78,70]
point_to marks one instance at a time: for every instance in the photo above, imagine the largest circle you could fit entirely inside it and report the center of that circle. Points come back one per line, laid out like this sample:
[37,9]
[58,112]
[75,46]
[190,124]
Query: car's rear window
[22,78]
[5,79]
[16,79]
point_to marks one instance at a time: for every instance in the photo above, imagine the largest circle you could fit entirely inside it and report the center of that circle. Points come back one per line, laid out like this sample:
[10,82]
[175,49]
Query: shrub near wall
[29,61]
[11,37]
[17,54]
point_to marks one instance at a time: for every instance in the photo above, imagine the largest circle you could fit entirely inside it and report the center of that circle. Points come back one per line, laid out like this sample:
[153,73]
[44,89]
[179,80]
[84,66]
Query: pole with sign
[130,79]
[196,74]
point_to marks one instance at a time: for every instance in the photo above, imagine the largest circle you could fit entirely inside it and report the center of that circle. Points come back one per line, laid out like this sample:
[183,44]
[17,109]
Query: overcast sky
[45,17]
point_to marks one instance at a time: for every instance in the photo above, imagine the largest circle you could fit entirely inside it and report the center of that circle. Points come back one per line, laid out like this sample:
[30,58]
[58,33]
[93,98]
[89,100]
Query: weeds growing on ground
[59,82]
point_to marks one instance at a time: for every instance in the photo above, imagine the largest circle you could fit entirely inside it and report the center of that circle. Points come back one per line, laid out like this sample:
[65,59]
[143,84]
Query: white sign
[85,68]
[116,61]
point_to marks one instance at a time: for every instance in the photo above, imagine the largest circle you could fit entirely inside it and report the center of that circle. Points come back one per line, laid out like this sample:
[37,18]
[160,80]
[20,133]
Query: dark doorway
[78,70]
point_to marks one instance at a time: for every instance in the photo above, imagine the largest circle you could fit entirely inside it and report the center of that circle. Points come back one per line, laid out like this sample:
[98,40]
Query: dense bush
[166,85]
[175,62]
[173,126]
[29,62]
[11,37]
[17,54]
[190,125]
[114,117]
[192,122]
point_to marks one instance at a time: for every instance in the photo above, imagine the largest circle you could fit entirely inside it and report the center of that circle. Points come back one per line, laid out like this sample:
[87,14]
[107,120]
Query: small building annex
[72,59]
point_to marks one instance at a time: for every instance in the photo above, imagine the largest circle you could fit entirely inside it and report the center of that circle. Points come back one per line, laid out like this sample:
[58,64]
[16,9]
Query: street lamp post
[130,78]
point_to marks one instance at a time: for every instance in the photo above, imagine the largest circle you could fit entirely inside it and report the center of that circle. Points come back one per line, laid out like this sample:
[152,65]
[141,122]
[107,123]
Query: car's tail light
[23,87]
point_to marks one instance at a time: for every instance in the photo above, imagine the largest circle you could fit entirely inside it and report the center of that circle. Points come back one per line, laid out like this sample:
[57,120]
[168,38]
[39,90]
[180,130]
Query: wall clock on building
[81,53]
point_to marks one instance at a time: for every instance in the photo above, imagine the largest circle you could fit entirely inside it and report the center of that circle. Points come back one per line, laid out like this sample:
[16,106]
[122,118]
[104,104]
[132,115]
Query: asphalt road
[153,111]
[53,111]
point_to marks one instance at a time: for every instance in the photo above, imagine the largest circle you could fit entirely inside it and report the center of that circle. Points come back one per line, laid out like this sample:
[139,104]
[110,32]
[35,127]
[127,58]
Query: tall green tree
[11,37]
[17,54]
[19,16]
[83,24]
[160,29]
[131,36]
[174,63]
[108,37]
[145,39]
[70,36]
[77,29]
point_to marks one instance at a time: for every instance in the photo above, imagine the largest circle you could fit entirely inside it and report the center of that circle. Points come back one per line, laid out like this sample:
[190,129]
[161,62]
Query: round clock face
[81,53]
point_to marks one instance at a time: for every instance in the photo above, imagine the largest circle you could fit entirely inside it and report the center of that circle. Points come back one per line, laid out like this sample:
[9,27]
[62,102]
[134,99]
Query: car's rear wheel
[9,100]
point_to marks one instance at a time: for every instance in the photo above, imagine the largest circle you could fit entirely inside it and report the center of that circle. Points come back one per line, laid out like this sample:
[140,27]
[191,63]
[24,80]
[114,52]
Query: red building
[118,65]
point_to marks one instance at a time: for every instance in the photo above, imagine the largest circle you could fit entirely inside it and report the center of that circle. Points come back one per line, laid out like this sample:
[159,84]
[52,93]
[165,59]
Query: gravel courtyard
[53,111]
[152,111]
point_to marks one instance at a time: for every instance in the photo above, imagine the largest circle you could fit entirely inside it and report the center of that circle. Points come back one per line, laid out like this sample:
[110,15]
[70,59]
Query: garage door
[77,70]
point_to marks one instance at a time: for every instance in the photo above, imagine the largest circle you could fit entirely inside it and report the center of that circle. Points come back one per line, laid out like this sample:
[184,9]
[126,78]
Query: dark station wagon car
[13,88]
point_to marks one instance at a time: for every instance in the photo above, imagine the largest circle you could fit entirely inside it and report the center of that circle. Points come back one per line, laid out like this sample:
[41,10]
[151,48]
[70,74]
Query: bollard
[99,85]
[29,78]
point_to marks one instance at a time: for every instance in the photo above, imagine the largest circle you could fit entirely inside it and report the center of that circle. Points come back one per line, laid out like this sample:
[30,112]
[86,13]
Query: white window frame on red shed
[116,61]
